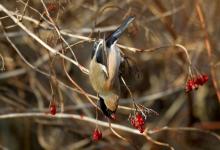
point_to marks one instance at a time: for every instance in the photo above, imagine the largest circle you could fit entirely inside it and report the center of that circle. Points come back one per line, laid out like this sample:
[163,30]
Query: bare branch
[208,46]
[2,8]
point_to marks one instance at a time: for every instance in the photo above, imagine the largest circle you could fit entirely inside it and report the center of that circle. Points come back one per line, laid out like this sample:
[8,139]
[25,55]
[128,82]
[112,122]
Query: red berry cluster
[97,135]
[137,121]
[194,83]
[53,109]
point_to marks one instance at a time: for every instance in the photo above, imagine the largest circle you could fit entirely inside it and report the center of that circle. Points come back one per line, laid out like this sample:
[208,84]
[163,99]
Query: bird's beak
[113,117]
[118,32]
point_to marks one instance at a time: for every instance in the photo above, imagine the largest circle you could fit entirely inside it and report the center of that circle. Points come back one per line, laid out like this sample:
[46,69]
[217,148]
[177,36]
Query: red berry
[132,121]
[194,83]
[141,129]
[137,121]
[139,116]
[199,80]
[140,119]
[195,86]
[189,85]
[97,135]
[205,78]
[53,109]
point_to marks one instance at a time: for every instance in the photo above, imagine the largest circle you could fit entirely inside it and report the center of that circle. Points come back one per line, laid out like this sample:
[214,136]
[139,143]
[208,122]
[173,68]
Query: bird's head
[109,105]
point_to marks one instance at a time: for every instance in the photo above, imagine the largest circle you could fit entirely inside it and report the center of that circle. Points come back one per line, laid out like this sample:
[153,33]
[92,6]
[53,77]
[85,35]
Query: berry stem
[186,52]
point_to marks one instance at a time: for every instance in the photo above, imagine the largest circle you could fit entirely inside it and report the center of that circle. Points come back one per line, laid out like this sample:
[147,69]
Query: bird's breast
[97,77]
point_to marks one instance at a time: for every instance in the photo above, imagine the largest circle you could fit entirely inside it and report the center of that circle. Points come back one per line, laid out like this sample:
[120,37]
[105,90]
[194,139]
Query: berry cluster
[137,121]
[194,83]
[97,135]
[53,109]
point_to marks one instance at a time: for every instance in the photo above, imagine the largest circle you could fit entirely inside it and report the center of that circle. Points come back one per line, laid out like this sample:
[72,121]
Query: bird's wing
[114,60]
[101,58]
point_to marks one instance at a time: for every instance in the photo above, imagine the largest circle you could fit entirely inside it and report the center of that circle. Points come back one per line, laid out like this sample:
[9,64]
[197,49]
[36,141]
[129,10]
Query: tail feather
[118,32]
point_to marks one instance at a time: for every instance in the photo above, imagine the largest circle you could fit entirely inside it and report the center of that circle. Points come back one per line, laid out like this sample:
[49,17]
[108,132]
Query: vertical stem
[208,46]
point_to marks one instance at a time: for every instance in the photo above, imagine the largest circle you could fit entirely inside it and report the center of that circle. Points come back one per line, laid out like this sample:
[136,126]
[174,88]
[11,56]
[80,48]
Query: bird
[104,73]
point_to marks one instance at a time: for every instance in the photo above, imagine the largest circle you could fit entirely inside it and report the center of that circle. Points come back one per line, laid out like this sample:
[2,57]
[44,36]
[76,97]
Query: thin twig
[83,69]
[35,10]
[104,124]
[69,116]
[189,129]
[157,142]
[24,10]
[75,84]
[58,32]
[84,38]
[19,53]
[208,46]
[115,133]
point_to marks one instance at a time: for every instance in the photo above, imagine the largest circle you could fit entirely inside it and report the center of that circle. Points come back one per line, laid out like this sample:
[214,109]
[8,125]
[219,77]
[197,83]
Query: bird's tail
[118,32]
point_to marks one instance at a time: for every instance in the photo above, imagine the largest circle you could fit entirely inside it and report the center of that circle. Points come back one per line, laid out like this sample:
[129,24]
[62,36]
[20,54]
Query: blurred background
[157,79]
